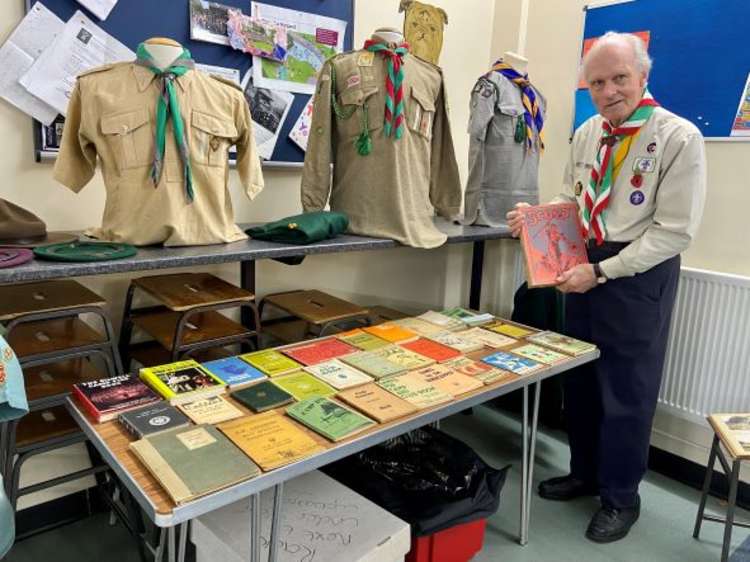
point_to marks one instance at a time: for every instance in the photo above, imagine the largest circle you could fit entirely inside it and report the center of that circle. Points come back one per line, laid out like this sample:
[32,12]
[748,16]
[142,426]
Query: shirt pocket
[130,137]
[509,112]
[421,113]
[212,135]
[349,118]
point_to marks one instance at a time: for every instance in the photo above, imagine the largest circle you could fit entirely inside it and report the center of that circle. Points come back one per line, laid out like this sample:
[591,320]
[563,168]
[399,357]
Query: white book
[338,374]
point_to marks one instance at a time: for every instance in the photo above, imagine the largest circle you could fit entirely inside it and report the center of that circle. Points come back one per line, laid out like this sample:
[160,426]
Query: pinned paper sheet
[100,8]
[17,55]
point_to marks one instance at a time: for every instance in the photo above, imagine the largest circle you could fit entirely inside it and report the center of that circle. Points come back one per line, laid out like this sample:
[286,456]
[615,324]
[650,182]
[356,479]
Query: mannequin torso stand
[163,51]
[518,62]
[388,35]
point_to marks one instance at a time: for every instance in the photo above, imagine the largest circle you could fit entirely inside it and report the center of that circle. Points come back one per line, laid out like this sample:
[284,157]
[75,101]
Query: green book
[303,385]
[329,418]
[363,340]
[372,364]
[271,362]
[190,462]
[262,396]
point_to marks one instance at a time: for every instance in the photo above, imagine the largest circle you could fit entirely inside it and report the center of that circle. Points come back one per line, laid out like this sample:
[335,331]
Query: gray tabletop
[158,257]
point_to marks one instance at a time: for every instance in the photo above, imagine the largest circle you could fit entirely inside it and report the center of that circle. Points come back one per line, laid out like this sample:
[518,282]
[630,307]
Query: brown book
[377,403]
[447,379]
[414,390]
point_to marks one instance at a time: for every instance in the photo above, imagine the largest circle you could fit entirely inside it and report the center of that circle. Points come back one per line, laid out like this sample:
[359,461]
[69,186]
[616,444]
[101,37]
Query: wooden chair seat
[380,314]
[288,330]
[57,379]
[45,296]
[48,336]
[315,307]
[43,425]
[201,327]
[183,291]
[151,353]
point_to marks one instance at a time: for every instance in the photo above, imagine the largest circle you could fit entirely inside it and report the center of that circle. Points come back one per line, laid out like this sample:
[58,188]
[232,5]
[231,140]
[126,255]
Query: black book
[153,419]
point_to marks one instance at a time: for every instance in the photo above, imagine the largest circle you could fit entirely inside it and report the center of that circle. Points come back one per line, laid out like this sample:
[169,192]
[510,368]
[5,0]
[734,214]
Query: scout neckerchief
[169,104]
[394,85]
[532,114]
[597,193]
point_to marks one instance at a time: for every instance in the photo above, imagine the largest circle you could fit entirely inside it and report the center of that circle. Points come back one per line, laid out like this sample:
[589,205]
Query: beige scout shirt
[393,191]
[661,221]
[111,114]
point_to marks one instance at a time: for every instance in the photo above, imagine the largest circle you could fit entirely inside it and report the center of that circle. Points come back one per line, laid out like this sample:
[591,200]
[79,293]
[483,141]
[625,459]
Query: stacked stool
[186,319]
[55,348]
[311,314]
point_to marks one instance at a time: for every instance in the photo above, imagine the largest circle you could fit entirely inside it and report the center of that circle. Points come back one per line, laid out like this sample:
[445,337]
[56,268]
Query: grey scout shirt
[502,171]
[393,191]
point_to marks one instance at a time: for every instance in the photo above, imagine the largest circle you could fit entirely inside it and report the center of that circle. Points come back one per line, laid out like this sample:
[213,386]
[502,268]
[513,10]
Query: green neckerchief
[169,103]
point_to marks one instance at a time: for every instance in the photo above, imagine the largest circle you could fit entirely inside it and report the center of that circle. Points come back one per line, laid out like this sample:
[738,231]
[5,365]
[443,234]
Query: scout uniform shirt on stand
[392,191]
[112,115]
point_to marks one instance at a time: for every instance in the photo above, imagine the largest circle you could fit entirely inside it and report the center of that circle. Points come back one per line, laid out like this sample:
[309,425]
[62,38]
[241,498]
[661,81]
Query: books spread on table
[431,349]
[552,242]
[271,362]
[456,341]
[447,379]
[317,351]
[152,419]
[331,419]
[212,409]
[390,332]
[562,343]
[271,439]
[262,396]
[182,381]
[490,339]
[415,391]
[445,322]
[303,385]
[540,354]
[468,317]
[480,370]
[339,375]
[376,402]
[234,372]
[508,329]
[193,461]
[513,363]
[403,357]
[418,326]
[362,340]
[104,399]
[374,365]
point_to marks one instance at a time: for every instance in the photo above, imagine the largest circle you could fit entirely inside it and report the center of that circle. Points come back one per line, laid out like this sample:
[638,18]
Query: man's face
[615,84]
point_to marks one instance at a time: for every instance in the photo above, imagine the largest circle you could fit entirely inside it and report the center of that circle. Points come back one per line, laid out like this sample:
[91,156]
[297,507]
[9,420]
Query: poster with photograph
[254,37]
[208,22]
[301,130]
[269,109]
[741,125]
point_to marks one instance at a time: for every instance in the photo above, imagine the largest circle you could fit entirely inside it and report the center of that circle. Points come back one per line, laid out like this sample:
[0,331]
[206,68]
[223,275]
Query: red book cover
[431,349]
[104,399]
[318,351]
[552,242]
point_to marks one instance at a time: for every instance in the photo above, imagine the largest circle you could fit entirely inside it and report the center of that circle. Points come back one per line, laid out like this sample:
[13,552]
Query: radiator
[707,367]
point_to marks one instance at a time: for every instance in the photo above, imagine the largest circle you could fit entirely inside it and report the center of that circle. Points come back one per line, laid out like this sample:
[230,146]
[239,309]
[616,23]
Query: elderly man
[638,174]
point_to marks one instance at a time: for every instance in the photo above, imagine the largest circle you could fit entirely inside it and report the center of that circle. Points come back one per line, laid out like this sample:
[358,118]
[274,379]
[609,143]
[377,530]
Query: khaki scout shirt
[502,171]
[393,191]
[660,218]
[111,114]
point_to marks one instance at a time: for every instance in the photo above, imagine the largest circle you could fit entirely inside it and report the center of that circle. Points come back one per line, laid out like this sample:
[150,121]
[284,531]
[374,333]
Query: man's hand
[578,279]
[515,220]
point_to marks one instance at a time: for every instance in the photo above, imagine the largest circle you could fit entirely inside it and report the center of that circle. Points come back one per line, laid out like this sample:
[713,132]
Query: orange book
[391,333]
[552,242]
[431,349]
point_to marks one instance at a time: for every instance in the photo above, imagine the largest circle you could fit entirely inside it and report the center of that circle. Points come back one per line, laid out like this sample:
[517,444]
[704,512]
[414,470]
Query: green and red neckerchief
[167,105]
[394,85]
[597,194]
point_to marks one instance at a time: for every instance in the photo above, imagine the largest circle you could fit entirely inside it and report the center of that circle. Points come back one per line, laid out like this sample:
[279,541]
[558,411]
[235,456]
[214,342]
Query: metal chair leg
[706,486]
[731,504]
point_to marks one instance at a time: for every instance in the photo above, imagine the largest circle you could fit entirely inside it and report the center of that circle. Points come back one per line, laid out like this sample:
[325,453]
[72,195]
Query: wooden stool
[186,319]
[381,314]
[724,426]
[319,312]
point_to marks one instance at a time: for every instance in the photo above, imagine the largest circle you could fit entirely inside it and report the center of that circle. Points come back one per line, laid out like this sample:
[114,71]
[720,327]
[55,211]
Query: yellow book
[271,362]
[182,381]
[391,333]
[415,391]
[403,357]
[271,439]
[512,330]
[448,380]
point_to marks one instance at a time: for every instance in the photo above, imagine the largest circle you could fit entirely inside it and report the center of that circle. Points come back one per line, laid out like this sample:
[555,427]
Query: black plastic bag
[427,478]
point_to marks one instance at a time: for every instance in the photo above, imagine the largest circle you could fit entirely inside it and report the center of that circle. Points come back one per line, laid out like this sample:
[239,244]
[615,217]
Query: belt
[607,246]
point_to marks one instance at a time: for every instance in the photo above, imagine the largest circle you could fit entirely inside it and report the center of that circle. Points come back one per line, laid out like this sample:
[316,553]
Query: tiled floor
[663,532]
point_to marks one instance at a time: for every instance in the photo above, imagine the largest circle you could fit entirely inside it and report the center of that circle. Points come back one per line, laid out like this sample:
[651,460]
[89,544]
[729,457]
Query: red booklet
[432,349]
[318,351]
[552,242]
[105,399]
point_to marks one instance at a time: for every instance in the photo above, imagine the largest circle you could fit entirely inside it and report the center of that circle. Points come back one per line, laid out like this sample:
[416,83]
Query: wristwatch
[599,274]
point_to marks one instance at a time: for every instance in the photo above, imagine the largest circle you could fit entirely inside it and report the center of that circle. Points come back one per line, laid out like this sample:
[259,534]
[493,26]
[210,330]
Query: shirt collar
[144,77]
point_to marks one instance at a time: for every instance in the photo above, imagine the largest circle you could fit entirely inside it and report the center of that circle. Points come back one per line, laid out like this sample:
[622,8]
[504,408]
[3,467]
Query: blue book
[235,372]
[513,363]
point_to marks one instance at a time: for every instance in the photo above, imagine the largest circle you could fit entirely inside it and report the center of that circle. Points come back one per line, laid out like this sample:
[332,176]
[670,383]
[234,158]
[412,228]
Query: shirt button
[320,130]
[124,128]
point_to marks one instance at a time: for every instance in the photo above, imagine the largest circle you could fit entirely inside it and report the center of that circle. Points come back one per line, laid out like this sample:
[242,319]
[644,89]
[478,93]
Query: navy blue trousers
[610,403]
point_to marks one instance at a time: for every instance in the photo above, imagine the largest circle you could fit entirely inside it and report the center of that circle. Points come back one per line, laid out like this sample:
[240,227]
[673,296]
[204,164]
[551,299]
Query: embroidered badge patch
[365,58]
[637,197]
[644,165]
[353,81]
[578,188]
[651,148]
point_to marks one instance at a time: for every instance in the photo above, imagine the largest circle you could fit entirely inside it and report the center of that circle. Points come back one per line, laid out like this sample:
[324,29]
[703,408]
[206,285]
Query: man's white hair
[642,60]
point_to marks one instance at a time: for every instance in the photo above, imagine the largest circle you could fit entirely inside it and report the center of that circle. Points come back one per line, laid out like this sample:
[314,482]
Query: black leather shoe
[610,524]
[564,488]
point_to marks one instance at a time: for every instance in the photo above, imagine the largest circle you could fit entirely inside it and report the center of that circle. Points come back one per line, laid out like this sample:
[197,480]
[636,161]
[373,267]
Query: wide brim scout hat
[302,229]
[11,257]
[20,228]
[82,251]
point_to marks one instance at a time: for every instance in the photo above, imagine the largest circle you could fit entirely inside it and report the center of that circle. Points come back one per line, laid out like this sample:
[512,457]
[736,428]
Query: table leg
[183,541]
[273,540]
[532,451]
[247,282]
[477,267]
[734,477]
[255,528]
[171,554]
[524,464]
[706,486]
[159,553]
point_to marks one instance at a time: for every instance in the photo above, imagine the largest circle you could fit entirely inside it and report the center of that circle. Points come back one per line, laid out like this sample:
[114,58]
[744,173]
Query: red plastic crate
[456,544]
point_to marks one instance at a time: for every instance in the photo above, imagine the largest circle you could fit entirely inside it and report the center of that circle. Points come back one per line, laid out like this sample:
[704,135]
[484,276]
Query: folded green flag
[302,229]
